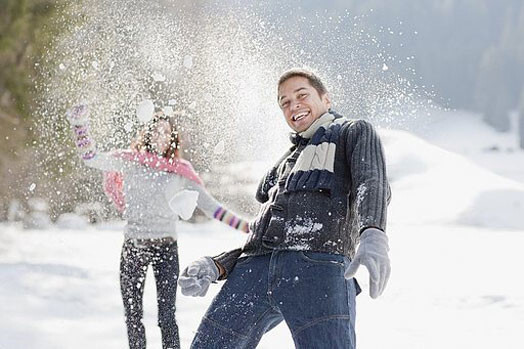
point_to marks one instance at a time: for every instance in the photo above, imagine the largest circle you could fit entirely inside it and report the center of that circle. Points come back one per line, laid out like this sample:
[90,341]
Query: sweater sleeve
[213,209]
[78,117]
[228,260]
[87,149]
[370,192]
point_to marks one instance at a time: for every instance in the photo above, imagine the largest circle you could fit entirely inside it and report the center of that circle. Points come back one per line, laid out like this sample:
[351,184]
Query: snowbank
[433,185]
[467,134]
[71,221]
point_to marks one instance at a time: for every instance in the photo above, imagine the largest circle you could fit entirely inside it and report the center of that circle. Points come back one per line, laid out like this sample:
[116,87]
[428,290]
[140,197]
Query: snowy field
[456,235]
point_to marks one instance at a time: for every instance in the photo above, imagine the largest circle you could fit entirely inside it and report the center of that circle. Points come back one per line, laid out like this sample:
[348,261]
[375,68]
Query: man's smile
[300,115]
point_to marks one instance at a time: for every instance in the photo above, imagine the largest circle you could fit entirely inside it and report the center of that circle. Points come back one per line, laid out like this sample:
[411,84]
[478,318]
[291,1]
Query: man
[328,192]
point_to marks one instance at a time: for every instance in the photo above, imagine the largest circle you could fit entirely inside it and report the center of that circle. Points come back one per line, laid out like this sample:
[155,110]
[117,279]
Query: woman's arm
[78,117]
[213,209]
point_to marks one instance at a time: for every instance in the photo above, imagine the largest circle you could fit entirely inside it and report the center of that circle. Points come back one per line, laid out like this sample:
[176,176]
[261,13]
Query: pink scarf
[113,181]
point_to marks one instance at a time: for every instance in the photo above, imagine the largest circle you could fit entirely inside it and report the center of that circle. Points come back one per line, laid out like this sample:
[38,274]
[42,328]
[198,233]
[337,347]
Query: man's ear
[326,100]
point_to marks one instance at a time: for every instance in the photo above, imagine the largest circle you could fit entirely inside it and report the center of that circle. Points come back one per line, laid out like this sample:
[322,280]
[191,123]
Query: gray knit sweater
[322,221]
[147,193]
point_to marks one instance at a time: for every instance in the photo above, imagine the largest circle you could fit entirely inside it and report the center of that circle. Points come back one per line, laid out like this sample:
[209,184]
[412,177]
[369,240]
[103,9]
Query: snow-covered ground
[456,235]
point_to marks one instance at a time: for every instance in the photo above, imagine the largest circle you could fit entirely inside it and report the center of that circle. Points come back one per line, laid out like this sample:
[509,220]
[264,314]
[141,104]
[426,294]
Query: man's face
[301,103]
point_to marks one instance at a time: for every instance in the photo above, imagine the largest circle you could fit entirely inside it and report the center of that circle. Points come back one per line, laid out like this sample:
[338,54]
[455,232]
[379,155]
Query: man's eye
[302,95]
[285,104]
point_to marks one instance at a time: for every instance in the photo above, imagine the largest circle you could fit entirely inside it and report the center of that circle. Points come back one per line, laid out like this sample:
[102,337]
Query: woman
[153,187]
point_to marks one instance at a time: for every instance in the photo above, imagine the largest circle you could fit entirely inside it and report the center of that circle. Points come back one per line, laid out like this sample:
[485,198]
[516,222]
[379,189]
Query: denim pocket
[322,258]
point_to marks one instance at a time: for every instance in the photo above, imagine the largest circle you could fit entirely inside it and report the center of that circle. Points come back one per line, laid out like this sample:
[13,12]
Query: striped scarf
[315,165]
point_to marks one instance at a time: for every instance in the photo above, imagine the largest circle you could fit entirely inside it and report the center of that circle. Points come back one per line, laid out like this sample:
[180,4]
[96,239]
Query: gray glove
[373,254]
[196,278]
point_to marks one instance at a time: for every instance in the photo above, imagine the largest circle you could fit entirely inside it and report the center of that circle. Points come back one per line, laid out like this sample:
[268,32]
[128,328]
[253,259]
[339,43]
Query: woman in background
[152,186]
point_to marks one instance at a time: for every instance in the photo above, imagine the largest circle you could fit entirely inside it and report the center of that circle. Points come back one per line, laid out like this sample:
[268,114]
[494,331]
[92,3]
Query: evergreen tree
[26,29]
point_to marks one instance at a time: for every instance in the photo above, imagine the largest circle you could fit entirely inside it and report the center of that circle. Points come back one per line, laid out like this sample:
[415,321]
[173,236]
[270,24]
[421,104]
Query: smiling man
[328,193]
[302,101]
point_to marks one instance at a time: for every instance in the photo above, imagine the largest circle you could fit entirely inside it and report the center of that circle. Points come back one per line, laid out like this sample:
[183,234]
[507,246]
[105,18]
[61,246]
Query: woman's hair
[142,141]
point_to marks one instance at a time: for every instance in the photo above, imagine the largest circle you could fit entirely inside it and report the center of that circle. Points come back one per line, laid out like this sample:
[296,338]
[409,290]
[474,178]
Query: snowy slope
[432,185]
[465,133]
[456,233]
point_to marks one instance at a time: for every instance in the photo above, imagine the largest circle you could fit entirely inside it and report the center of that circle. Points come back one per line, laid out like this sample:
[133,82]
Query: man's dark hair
[313,79]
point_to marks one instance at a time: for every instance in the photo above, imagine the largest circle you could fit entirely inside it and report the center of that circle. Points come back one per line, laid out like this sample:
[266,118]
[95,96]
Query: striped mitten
[78,117]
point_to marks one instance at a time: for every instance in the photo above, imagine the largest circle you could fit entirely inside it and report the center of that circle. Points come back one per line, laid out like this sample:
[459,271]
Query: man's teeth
[299,116]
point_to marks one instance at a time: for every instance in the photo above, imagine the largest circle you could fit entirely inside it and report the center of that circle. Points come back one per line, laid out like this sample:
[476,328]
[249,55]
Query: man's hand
[373,254]
[196,278]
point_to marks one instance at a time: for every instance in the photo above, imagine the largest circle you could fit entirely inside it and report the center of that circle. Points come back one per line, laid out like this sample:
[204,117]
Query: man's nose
[295,105]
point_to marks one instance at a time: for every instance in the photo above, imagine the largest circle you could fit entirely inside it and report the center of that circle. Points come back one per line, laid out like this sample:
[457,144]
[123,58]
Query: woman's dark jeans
[136,256]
